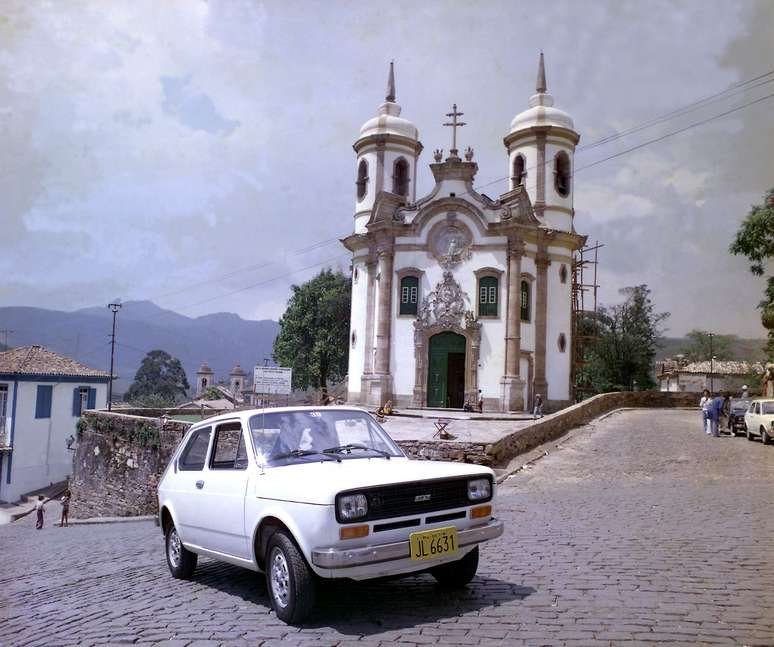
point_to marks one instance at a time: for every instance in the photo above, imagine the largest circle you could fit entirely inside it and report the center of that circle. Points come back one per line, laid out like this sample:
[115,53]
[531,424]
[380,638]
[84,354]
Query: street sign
[272,380]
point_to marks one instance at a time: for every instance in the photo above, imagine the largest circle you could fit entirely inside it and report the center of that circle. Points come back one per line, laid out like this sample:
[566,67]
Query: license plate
[433,543]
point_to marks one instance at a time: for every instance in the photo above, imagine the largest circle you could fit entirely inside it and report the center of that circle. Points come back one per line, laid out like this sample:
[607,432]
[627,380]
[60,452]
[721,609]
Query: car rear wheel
[289,580]
[764,436]
[181,561]
[455,575]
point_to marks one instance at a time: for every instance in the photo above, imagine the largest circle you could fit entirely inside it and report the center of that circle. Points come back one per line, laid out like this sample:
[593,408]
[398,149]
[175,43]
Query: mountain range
[221,339]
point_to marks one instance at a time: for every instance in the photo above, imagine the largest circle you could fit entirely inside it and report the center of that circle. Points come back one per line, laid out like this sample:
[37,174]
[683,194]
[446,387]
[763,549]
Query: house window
[43,401]
[400,177]
[518,170]
[362,180]
[525,300]
[3,410]
[409,295]
[562,174]
[83,398]
[487,296]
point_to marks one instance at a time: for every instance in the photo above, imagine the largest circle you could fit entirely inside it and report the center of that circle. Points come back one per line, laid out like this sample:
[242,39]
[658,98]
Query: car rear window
[767,407]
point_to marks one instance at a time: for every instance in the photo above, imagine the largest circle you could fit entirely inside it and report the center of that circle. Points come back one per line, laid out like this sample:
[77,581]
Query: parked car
[307,493]
[759,420]
[736,410]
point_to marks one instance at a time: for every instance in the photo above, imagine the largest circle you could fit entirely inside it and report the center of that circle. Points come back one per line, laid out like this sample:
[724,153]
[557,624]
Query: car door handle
[200,484]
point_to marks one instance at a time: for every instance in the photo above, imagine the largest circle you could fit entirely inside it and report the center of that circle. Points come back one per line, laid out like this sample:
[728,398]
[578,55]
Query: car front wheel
[289,580]
[764,436]
[748,433]
[181,561]
[455,575]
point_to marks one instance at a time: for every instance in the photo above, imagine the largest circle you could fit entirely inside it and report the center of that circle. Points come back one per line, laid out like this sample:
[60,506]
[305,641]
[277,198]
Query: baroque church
[455,293]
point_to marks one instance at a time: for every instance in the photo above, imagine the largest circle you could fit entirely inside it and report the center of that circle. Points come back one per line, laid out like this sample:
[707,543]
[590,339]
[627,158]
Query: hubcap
[173,548]
[280,579]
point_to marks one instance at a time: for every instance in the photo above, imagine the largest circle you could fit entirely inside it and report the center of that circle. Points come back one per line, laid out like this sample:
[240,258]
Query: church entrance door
[446,374]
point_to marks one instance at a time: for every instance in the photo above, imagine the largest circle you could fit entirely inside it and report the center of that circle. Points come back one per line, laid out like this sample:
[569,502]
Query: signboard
[272,380]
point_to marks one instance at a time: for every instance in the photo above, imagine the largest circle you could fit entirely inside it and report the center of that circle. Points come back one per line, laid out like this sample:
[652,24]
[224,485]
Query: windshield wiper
[350,447]
[296,453]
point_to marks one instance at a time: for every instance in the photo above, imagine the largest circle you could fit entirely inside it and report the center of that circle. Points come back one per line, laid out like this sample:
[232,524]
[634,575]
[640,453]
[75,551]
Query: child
[537,409]
[65,509]
[39,510]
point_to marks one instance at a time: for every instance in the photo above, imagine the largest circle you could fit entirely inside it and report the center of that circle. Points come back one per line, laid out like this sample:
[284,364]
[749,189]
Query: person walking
[537,406]
[65,521]
[716,407]
[480,401]
[704,405]
[39,511]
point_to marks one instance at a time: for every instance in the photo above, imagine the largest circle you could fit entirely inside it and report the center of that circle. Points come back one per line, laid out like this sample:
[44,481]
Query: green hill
[750,350]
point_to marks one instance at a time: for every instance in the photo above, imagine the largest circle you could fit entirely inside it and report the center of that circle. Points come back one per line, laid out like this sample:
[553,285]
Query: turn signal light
[353,532]
[481,511]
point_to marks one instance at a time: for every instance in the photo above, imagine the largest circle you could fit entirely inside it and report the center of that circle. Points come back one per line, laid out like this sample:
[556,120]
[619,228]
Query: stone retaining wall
[120,458]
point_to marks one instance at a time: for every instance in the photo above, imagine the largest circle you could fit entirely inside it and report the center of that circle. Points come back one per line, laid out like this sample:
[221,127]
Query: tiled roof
[721,367]
[37,360]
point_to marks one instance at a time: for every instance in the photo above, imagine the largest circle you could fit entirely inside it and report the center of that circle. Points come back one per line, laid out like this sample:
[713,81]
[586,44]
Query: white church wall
[358,325]
[367,203]
[559,319]
[528,327]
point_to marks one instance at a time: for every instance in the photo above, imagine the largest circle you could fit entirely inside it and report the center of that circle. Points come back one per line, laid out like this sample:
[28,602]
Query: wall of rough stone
[118,462]
[120,458]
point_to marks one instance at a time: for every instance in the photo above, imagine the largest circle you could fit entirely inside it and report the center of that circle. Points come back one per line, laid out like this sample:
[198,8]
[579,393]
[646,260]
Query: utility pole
[114,308]
[712,364]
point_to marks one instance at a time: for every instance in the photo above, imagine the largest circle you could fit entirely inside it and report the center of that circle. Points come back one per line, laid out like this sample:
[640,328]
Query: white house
[456,292]
[42,395]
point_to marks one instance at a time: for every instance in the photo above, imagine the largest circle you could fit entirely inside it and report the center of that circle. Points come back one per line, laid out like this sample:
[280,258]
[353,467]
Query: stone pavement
[640,530]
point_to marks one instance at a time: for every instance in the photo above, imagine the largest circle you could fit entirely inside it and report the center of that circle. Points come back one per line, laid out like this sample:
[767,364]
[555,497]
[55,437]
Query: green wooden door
[441,346]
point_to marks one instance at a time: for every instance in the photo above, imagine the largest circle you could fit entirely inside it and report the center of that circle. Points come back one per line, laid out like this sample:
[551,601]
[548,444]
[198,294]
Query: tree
[702,348]
[160,381]
[755,240]
[621,358]
[314,331]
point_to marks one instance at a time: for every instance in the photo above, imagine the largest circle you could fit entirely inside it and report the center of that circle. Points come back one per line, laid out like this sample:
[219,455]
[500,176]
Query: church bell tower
[541,151]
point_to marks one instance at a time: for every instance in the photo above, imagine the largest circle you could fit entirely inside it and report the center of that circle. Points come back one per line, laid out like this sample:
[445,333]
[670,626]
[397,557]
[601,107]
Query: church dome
[204,368]
[388,120]
[237,370]
[541,111]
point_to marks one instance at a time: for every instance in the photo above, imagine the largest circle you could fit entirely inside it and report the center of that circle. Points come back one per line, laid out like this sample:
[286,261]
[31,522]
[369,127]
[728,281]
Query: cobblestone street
[639,530]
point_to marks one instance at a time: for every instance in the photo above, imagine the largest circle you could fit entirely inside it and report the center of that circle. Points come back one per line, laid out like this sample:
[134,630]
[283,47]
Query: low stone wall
[120,458]
[118,462]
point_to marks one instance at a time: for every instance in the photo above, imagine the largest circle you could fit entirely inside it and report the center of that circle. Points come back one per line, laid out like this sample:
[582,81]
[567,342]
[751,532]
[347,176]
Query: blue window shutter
[76,401]
[43,401]
[92,401]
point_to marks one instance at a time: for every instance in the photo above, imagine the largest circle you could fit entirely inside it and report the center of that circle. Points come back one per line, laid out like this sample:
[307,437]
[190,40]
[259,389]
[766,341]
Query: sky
[199,154]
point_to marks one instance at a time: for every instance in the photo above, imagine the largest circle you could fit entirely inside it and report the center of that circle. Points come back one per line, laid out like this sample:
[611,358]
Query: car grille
[402,499]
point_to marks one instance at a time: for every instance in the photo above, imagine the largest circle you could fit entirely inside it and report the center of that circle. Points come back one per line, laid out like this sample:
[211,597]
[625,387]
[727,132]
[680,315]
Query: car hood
[319,482]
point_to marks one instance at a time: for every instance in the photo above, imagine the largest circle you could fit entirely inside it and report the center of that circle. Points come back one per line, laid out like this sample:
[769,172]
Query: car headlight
[352,506]
[479,489]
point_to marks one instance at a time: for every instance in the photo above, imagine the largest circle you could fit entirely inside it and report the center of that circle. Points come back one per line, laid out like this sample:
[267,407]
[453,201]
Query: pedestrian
[716,407]
[64,521]
[745,392]
[480,401]
[704,405]
[39,511]
[537,406]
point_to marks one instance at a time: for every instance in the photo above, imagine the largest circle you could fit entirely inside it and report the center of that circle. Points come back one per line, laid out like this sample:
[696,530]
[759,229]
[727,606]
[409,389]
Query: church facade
[456,293]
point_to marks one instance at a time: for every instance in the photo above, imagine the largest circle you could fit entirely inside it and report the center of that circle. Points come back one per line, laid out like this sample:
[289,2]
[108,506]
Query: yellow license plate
[434,543]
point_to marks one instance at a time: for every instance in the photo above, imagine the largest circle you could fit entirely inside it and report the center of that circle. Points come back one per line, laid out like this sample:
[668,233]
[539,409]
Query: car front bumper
[340,558]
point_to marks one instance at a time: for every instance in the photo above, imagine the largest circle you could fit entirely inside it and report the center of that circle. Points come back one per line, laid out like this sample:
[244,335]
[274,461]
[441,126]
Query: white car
[759,420]
[305,493]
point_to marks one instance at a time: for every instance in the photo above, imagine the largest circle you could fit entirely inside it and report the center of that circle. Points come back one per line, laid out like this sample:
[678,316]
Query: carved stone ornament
[445,305]
[451,244]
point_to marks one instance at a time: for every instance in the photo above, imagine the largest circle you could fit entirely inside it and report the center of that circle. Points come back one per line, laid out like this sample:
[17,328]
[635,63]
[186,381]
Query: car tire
[455,575]
[290,582]
[748,433]
[181,561]
[764,437]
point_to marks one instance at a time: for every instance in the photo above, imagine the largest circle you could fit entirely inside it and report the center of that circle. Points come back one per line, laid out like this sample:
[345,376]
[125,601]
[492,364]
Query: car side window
[194,455]
[228,451]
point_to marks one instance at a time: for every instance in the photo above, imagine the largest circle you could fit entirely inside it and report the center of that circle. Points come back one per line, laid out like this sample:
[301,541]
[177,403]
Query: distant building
[719,375]
[42,395]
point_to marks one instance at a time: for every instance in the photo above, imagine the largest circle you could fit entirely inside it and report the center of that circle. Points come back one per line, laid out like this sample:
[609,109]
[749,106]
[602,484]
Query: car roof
[248,413]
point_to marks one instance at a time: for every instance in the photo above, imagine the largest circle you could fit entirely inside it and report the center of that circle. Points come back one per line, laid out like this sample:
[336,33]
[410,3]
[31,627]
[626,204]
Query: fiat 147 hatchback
[307,493]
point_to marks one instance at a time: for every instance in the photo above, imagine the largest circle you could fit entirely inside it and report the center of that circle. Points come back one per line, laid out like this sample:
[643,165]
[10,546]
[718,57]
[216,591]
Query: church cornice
[533,131]
[380,141]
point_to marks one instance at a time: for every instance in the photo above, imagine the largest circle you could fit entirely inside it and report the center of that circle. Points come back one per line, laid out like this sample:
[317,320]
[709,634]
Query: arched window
[400,178]
[362,180]
[409,295]
[518,170]
[487,296]
[354,338]
[562,174]
[563,273]
[525,300]
[204,383]
[562,341]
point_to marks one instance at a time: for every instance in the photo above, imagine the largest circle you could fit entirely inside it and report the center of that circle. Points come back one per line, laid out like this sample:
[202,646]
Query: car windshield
[738,405]
[285,437]
[767,407]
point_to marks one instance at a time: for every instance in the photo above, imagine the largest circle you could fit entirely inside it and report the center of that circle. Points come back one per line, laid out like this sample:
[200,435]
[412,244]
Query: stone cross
[454,124]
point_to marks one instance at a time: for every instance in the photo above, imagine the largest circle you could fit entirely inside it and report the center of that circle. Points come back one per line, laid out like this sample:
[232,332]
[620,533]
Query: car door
[186,485]
[222,494]
[752,423]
